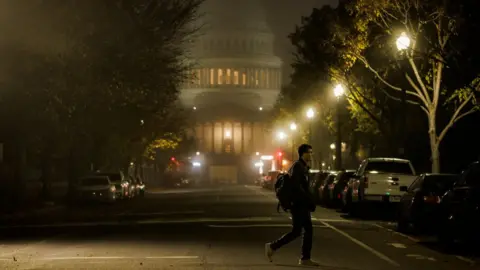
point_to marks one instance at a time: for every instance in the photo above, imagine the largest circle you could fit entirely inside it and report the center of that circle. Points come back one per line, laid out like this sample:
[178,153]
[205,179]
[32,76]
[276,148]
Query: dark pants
[301,219]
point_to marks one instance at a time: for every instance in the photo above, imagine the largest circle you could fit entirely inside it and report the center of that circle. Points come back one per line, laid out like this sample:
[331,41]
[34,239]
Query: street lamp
[338,91]
[310,113]
[293,127]
[403,42]
[281,135]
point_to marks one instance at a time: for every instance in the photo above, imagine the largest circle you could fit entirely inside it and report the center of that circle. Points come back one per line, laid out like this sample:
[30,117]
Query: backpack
[283,192]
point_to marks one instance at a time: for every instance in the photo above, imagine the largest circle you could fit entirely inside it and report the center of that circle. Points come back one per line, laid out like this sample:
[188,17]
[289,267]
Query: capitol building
[237,79]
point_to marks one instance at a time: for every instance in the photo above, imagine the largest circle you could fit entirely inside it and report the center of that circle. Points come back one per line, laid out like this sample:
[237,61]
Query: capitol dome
[234,58]
[246,15]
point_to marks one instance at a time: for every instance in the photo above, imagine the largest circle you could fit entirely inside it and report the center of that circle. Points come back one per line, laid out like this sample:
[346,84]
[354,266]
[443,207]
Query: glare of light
[332,146]
[194,108]
[266,157]
[260,108]
[323,164]
[403,42]
[259,164]
[338,91]
[228,134]
[196,164]
[281,135]
[310,113]
[293,126]
[284,162]
[198,153]
[131,163]
[257,153]
[334,157]
[142,122]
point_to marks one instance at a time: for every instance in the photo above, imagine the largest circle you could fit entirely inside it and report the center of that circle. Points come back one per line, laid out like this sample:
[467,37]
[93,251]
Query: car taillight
[431,199]
[365,182]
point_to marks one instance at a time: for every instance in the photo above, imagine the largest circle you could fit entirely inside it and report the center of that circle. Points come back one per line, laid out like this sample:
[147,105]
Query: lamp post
[310,115]
[338,91]
[403,43]
[293,128]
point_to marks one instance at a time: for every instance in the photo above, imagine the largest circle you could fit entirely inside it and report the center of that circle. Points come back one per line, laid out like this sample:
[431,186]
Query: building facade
[237,79]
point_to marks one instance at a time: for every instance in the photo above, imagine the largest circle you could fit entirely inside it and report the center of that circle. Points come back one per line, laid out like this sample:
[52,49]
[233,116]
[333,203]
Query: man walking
[302,204]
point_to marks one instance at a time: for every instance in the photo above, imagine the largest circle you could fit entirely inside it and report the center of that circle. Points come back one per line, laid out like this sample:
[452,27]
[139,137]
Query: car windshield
[94,181]
[389,167]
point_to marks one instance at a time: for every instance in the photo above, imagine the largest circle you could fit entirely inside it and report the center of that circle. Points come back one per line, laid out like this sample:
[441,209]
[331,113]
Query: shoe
[269,251]
[308,262]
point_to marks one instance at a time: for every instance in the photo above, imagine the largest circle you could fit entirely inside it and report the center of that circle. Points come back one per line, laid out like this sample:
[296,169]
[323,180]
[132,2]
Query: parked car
[379,180]
[120,182]
[95,188]
[419,206]
[269,180]
[325,187]
[340,185]
[460,208]
[316,179]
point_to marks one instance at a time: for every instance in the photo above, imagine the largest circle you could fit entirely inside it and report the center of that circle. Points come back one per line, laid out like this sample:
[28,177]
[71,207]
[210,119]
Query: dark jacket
[301,197]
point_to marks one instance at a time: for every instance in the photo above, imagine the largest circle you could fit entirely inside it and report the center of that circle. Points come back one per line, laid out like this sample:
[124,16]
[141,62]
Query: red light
[172,158]
[279,154]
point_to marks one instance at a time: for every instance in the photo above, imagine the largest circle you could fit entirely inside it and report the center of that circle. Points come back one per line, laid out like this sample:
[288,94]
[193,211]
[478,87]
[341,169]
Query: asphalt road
[206,228]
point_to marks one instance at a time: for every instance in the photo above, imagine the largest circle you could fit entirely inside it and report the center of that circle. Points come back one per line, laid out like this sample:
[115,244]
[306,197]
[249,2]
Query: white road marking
[207,220]
[363,245]
[119,258]
[60,225]
[151,221]
[397,245]
[413,239]
[259,225]
[161,213]
[470,261]
[421,257]
[257,190]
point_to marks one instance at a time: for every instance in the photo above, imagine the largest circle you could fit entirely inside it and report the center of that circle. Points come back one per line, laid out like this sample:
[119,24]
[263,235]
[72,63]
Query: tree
[436,29]
[106,90]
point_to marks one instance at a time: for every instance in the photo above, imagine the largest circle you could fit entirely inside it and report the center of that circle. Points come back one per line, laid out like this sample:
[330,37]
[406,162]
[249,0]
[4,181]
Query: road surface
[206,228]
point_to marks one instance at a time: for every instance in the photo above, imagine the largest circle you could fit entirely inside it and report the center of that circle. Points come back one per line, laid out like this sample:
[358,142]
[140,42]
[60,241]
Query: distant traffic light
[279,154]
[172,158]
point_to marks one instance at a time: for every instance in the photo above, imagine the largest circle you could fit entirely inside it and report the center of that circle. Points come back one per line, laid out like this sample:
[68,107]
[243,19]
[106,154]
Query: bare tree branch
[457,116]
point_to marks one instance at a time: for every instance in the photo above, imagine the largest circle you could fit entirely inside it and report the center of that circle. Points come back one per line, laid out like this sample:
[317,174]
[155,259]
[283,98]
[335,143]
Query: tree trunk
[434,144]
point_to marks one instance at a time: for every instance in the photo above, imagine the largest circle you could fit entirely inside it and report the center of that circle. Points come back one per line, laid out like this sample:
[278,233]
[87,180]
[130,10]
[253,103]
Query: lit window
[228,76]
[256,77]
[235,77]
[212,76]
[220,76]
[244,78]
[262,78]
[267,78]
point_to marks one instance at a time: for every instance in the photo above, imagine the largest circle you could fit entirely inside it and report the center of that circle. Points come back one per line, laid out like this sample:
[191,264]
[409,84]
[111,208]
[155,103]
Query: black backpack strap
[278,207]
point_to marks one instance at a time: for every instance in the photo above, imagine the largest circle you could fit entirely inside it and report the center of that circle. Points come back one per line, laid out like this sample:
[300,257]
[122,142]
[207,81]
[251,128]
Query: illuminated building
[237,79]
